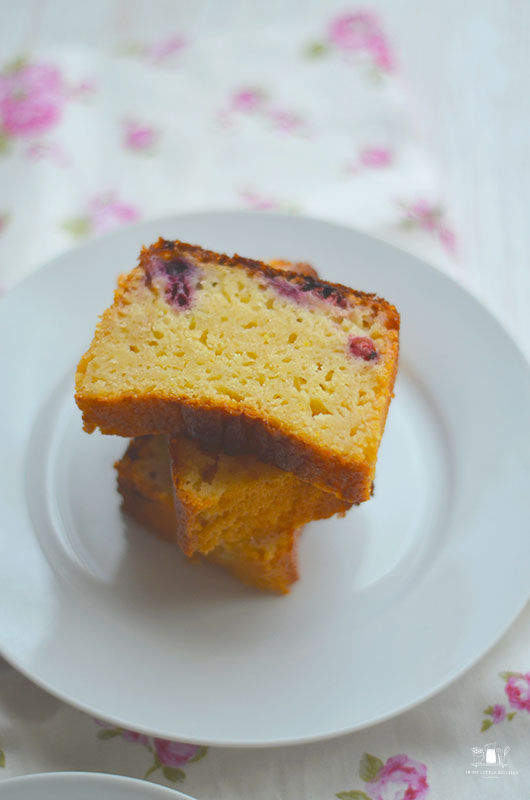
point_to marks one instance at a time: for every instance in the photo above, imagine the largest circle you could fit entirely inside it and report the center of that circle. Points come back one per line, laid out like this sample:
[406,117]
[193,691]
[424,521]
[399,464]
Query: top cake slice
[245,358]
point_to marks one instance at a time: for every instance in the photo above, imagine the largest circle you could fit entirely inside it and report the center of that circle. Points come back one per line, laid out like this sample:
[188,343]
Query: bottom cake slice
[265,560]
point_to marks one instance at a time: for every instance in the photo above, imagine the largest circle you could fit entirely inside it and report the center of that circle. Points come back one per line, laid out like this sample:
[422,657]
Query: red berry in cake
[180,278]
[363,347]
[331,294]
[287,289]
[308,288]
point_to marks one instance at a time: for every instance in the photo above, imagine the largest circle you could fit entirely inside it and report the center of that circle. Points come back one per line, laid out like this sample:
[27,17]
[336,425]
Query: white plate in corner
[116,622]
[83,786]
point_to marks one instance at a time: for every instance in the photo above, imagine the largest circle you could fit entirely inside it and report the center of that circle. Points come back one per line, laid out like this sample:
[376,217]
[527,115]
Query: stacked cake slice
[273,387]
[235,511]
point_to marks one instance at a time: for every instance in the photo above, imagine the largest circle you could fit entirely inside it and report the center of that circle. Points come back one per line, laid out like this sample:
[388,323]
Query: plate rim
[99,779]
[460,285]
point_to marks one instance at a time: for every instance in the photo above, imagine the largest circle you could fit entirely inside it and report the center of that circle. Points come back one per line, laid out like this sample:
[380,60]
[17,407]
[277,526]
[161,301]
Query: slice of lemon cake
[224,498]
[221,498]
[266,560]
[245,358]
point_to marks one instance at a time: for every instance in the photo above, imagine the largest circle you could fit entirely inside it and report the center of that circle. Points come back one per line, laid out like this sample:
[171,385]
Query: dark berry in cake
[180,279]
[363,347]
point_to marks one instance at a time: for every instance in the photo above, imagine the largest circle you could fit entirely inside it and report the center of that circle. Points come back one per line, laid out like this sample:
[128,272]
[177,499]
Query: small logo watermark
[490,761]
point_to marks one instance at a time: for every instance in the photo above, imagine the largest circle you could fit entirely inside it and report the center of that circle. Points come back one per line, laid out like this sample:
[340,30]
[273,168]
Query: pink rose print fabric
[498,713]
[138,136]
[109,732]
[359,37]
[254,102]
[104,213]
[371,158]
[429,217]
[361,32]
[162,52]
[175,754]
[132,736]
[247,99]
[168,756]
[50,151]
[375,157]
[33,96]
[259,201]
[517,691]
[399,778]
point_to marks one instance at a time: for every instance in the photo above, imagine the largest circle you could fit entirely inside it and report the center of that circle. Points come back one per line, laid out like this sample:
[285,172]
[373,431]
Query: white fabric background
[451,123]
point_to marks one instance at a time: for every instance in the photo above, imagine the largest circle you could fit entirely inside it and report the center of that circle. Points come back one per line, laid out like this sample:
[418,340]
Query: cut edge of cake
[147,496]
[210,488]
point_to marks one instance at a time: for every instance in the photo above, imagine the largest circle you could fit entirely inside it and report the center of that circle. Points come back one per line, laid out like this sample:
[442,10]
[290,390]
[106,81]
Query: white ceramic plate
[395,601]
[83,786]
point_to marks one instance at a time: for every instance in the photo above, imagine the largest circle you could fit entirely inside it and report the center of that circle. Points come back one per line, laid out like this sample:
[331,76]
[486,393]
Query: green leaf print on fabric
[517,691]
[201,752]
[370,767]
[169,757]
[399,777]
[4,143]
[174,774]
[109,733]
[316,50]
[78,227]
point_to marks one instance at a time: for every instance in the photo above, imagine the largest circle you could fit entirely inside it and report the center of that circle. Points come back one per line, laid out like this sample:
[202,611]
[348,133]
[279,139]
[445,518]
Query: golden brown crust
[219,428]
[392,382]
[141,504]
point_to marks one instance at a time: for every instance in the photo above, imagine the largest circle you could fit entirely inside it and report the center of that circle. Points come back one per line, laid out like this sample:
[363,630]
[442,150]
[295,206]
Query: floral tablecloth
[211,106]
